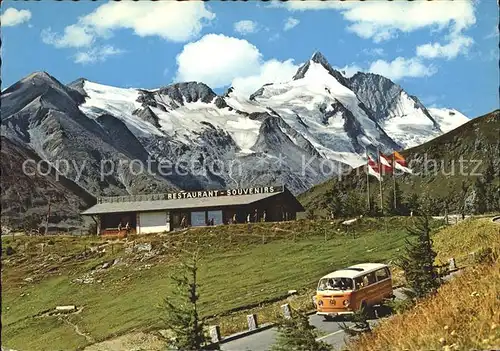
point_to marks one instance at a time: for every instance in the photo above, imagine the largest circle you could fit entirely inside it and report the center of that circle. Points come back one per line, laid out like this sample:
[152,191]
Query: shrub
[298,334]
[311,214]
[9,251]
[92,229]
[483,255]
[401,306]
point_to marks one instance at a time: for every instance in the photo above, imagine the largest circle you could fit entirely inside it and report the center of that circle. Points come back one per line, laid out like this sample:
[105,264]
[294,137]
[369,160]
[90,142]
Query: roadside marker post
[215,334]
[452,264]
[287,313]
[252,321]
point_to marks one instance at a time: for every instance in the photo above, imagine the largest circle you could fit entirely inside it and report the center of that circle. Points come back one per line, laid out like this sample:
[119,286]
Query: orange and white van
[353,288]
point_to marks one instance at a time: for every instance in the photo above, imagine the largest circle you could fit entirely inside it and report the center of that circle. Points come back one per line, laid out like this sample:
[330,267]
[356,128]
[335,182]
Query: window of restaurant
[113,220]
[198,219]
[216,216]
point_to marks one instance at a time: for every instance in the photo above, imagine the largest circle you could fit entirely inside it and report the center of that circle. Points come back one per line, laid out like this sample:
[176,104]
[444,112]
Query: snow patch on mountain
[407,124]
[241,103]
[448,119]
[187,122]
[118,102]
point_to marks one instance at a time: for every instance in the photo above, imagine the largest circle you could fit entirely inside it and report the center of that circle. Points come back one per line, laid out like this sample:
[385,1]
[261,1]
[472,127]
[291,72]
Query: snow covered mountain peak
[318,116]
[317,59]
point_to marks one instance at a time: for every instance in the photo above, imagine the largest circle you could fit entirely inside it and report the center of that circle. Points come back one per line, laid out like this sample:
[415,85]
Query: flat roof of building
[126,205]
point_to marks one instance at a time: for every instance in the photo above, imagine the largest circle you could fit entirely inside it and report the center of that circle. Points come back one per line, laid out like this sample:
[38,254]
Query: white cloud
[13,17]
[272,71]
[395,70]
[246,27]
[349,71]
[382,20]
[290,23]
[97,54]
[459,44]
[401,67]
[219,60]
[170,20]
[74,37]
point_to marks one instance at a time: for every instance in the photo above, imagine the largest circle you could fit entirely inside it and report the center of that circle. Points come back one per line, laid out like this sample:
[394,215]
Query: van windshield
[335,284]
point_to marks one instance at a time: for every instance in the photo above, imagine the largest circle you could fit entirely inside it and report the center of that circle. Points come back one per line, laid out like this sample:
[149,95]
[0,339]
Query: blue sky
[446,53]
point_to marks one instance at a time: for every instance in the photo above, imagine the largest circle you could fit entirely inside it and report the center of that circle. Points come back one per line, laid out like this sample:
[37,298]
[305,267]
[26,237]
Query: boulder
[143,247]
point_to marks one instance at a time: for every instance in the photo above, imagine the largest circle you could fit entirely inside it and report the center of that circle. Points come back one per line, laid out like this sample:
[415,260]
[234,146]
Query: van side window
[359,283]
[382,274]
[365,281]
[371,278]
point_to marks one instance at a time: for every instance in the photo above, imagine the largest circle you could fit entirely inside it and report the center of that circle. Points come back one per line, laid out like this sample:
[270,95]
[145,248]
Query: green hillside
[119,286]
[446,171]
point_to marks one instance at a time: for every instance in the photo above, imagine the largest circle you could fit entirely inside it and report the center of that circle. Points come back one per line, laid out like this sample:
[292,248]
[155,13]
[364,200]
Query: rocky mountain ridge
[297,133]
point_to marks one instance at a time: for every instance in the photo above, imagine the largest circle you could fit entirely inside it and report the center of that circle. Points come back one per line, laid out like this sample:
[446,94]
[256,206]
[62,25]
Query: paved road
[331,332]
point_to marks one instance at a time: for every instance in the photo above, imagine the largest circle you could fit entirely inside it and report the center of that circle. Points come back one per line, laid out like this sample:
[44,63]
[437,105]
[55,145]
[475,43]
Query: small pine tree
[489,172]
[412,203]
[182,318]
[480,199]
[490,190]
[373,208]
[418,261]
[463,198]
[353,204]
[31,223]
[297,334]
[389,202]
[335,204]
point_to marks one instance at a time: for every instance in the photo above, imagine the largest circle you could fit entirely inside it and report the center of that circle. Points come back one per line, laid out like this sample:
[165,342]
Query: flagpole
[394,180]
[367,183]
[380,183]
[381,196]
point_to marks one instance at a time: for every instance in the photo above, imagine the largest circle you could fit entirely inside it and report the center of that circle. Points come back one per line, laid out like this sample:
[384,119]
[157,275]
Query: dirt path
[77,330]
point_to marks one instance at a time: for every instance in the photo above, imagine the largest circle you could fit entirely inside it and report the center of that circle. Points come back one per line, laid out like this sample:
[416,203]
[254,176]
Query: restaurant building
[155,213]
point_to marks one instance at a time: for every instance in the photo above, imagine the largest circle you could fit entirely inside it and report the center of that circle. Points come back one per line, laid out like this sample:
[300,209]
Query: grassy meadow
[240,268]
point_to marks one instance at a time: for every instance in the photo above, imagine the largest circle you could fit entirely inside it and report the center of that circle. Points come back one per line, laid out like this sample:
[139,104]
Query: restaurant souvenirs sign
[216,193]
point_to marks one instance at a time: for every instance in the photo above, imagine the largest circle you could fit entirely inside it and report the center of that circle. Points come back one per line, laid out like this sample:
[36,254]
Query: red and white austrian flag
[373,169]
[385,164]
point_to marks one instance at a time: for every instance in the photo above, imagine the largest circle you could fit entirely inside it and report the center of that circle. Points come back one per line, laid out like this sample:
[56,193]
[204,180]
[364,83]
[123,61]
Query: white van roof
[355,271]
